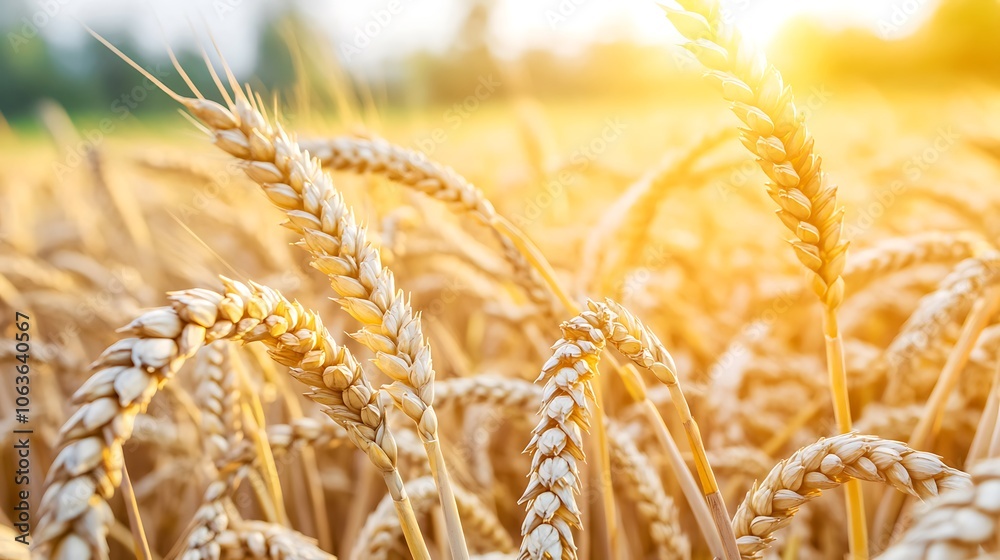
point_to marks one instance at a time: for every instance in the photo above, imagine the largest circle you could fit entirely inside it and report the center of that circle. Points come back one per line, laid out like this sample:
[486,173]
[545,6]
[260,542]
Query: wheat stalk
[413,169]
[556,446]
[934,314]
[640,345]
[828,463]
[296,183]
[379,539]
[74,515]
[636,388]
[776,133]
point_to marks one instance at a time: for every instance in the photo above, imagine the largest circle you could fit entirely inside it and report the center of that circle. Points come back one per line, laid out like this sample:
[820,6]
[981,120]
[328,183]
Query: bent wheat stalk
[556,446]
[777,135]
[826,464]
[413,169]
[74,515]
[636,389]
[296,183]
[640,345]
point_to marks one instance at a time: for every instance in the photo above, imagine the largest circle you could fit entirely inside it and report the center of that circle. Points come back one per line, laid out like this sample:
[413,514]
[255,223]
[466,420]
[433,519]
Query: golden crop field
[705,300]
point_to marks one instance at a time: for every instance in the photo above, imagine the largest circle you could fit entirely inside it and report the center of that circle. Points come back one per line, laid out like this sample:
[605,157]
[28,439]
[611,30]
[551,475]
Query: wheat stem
[134,520]
[986,427]
[930,421]
[640,345]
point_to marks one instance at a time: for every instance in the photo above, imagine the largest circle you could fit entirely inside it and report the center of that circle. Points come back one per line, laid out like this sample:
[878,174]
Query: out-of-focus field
[97,226]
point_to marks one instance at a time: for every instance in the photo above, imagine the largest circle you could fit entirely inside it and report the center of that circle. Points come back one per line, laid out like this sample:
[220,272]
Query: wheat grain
[958,524]
[828,463]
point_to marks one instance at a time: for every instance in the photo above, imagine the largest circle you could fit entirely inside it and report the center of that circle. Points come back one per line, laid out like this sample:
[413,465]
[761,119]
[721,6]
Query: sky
[375,30]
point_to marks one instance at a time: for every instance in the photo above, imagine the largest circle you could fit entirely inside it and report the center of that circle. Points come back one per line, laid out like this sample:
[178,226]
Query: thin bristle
[149,76]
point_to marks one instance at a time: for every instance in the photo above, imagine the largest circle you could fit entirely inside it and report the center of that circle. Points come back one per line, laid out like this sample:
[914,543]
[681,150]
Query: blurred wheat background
[590,130]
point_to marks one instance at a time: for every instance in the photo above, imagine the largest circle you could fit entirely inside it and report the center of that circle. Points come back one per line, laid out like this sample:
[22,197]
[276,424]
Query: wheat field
[738,320]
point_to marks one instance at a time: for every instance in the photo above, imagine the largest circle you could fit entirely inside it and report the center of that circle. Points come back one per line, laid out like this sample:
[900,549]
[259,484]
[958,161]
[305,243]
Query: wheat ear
[937,311]
[958,524]
[557,443]
[776,134]
[218,397]
[828,463]
[413,169]
[640,345]
[216,533]
[74,515]
[256,540]
[898,253]
[556,446]
[296,183]
[930,421]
